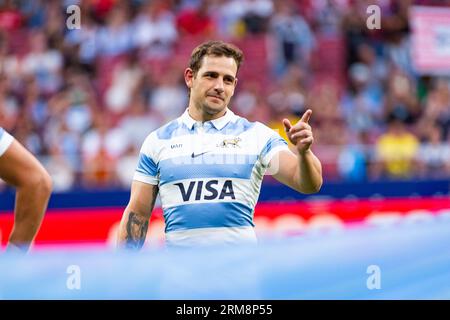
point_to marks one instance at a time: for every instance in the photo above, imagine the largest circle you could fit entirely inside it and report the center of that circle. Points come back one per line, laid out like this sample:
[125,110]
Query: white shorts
[5,140]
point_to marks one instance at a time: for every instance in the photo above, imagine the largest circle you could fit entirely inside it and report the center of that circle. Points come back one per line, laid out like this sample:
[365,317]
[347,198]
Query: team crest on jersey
[233,142]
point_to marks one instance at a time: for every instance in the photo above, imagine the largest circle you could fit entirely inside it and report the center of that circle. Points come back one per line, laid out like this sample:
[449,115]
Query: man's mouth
[217,97]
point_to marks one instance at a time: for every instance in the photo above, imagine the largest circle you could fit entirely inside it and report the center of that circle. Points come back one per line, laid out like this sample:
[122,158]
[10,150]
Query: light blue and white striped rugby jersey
[209,176]
[5,140]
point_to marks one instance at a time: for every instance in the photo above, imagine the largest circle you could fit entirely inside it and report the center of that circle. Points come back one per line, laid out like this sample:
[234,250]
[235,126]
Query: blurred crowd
[83,100]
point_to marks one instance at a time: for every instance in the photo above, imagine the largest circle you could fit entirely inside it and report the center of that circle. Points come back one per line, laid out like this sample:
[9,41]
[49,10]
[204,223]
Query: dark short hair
[214,48]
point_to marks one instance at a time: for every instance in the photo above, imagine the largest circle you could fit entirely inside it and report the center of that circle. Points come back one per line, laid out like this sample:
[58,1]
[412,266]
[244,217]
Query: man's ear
[188,77]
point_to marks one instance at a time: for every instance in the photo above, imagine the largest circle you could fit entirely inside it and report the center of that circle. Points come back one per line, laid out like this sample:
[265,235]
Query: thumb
[287,124]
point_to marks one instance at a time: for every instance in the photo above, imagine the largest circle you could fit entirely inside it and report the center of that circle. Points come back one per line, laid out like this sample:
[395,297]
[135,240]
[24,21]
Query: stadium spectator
[353,160]
[168,98]
[104,139]
[434,154]
[327,16]
[294,40]
[115,38]
[228,14]
[397,150]
[11,18]
[256,15]
[249,103]
[126,77]
[196,21]
[362,103]
[155,30]
[84,40]
[401,98]
[99,170]
[138,122]
[126,165]
[61,171]
[44,63]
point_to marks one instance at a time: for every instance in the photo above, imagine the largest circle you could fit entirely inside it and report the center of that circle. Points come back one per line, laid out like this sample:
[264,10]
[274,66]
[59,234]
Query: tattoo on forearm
[136,231]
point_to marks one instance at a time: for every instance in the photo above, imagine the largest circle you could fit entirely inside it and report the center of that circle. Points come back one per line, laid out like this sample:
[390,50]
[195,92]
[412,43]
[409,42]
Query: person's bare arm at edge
[19,168]
[302,172]
[135,219]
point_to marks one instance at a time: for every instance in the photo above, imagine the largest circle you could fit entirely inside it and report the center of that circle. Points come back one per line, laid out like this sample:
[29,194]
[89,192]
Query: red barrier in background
[99,225]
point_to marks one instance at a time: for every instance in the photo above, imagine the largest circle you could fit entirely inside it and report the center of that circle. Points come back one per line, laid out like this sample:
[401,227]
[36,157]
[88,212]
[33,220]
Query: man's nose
[218,86]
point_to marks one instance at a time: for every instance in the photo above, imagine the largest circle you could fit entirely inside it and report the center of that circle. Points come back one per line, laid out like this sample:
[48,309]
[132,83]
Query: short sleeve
[273,144]
[5,141]
[147,167]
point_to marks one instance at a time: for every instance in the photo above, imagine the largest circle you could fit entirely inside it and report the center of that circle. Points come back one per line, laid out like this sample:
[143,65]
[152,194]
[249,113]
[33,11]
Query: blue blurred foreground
[413,261]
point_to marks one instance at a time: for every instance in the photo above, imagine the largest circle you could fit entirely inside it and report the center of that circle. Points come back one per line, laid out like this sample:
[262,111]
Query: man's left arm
[301,171]
[19,168]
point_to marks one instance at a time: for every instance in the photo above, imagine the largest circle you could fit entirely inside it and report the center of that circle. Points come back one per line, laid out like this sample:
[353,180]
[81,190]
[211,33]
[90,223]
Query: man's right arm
[135,219]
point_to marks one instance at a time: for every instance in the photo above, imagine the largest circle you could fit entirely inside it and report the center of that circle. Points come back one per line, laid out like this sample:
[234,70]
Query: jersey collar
[219,123]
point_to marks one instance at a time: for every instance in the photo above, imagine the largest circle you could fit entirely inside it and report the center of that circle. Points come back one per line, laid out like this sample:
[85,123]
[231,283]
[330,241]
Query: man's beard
[207,108]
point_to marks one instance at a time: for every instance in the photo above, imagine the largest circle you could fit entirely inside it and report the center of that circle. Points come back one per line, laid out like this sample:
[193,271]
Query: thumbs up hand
[300,134]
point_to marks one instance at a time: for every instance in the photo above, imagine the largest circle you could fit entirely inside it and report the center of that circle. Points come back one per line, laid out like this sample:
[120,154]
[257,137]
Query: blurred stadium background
[83,101]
